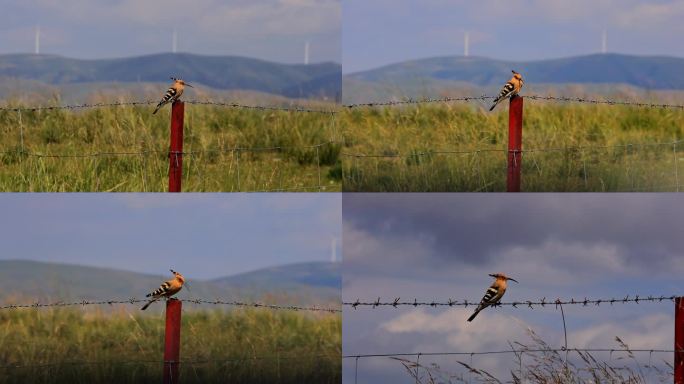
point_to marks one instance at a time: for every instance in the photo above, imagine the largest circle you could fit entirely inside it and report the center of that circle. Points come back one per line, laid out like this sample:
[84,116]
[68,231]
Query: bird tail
[148,304]
[496,102]
[156,109]
[474,314]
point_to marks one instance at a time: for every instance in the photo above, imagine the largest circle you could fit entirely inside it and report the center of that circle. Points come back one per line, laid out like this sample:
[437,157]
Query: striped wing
[507,91]
[490,296]
[170,95]
[163,290]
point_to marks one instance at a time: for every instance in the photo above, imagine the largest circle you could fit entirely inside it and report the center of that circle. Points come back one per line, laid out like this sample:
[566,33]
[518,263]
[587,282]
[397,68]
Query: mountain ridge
[62,281]
[600,73]
[315,81]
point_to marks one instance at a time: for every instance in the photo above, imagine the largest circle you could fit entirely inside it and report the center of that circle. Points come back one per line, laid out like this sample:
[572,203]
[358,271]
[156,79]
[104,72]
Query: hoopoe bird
[173,93]
[510,89]
[168,289]
[493,294]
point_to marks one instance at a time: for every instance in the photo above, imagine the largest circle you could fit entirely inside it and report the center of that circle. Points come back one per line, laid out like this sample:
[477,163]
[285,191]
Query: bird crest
[502,276]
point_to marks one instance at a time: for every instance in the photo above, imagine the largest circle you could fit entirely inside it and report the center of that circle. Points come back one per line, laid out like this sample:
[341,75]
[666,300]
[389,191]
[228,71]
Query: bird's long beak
[509,278]
[189,85]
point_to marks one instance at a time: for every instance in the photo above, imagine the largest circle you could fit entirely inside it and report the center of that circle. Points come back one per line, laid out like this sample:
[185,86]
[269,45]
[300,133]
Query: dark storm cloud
[471,228]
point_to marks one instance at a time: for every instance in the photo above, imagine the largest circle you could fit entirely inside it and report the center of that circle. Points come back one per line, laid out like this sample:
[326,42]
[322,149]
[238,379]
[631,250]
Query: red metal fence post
[172,341]
[679,341]
[515,113]
[176,148]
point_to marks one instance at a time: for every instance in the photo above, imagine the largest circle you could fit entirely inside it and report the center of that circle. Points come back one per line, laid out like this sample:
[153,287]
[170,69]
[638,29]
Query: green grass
[251,346]
[211,134]
[409,141]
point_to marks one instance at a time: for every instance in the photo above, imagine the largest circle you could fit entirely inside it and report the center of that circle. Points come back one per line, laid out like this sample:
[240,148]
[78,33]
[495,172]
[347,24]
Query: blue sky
[204,235]
[274,30]
[442,246]
[380,32]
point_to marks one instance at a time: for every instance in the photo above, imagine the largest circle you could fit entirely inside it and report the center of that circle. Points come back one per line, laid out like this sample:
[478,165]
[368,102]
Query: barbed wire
[505,150]
[180,362]
[418,101]
[507,351]
[196,155]
[532,97]
[24,152]
[582,151]
[346,154]
[408,101]
[152,102]
[607,102]
[261,107]
[77,106]
[193,301]
[515,304]
[520,352]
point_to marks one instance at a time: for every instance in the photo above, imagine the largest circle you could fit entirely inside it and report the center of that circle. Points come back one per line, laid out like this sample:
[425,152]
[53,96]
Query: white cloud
[560,263]
[651,331]
[449,330]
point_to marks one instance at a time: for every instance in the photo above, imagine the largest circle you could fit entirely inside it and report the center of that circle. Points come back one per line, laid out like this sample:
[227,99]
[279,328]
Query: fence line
[261,107]
[418,101]
[180,362]
[166,152]
[153,102]
[582,152]
[520,352]
[507,351]
[408,101]
[193,301]
[233,151]
[581,100]
[78,106]
[476,151]
[515,304]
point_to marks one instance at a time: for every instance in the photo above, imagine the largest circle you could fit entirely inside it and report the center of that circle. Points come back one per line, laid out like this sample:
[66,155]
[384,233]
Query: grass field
[211,135]
[590,148]
[122,346]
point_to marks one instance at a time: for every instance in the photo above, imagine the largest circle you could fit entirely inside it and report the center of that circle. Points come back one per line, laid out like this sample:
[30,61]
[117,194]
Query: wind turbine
[174,42]
[466,44]
[37,42]
[604,41]
[306,53]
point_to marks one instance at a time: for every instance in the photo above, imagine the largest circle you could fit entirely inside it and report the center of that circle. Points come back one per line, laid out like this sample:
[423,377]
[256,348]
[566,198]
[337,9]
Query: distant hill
[281,277]
[303,283]
[317,81]
[431,76]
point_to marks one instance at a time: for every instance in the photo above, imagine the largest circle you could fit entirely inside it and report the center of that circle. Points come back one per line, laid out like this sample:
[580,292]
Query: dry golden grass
[570,147]
[121,345]
[211,135]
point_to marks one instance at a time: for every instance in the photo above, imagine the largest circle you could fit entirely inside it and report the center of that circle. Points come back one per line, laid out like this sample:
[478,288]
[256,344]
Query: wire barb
[532,97]
[515,304]
[193,301]
[151,102]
